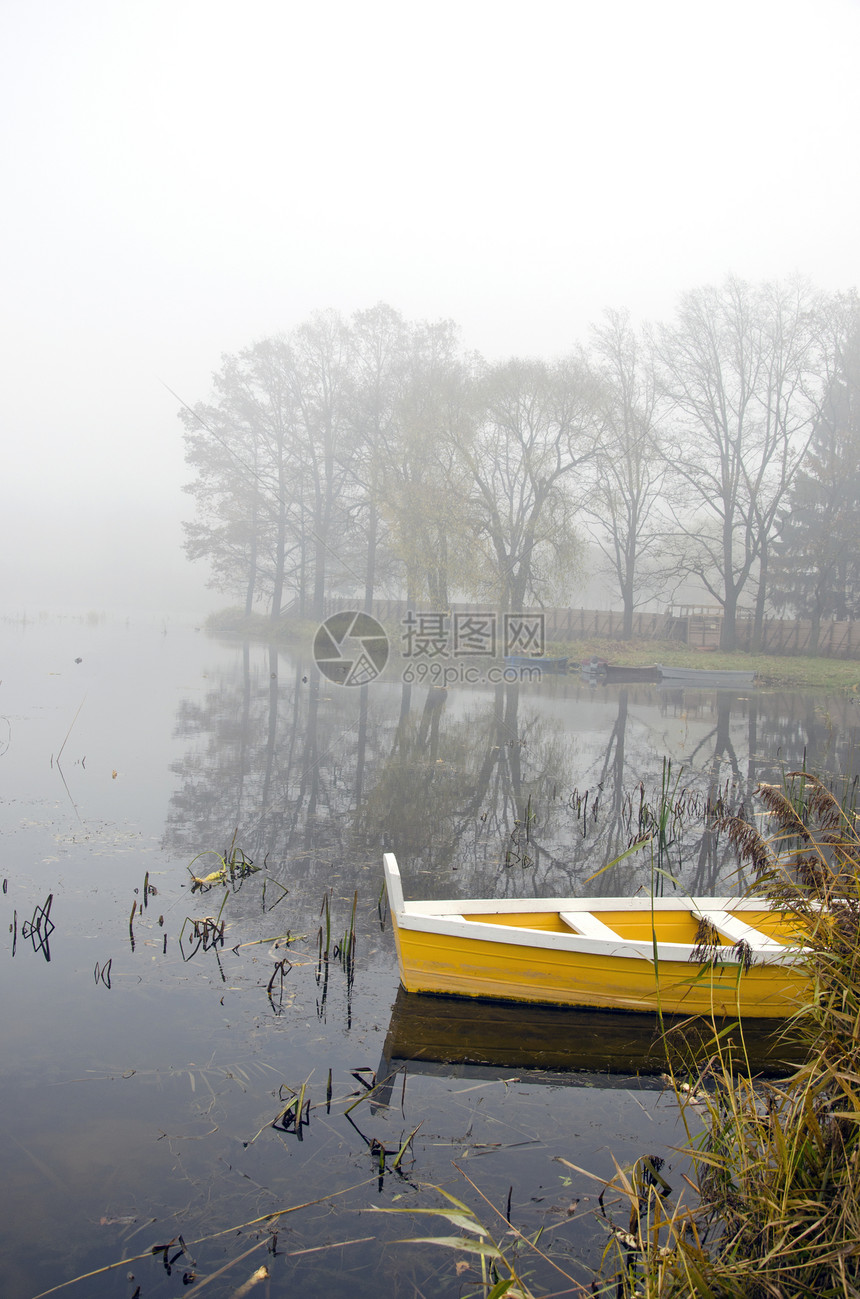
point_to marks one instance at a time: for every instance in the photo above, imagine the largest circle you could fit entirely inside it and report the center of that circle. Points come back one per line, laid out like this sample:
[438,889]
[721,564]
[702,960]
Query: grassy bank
[780,671]
[297,632]
[774,671]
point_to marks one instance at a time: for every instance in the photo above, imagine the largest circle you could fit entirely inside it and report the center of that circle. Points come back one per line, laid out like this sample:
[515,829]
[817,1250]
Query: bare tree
[538,429]
[630,469]
[380,352]
[425,484]
[738,367]
[241,448]
[319,377]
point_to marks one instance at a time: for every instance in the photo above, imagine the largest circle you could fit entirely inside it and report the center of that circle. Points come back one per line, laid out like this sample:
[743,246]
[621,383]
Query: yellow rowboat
[641,954]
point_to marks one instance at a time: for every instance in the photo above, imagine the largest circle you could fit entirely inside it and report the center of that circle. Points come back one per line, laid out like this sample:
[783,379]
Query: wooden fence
[700,630]
[836,640]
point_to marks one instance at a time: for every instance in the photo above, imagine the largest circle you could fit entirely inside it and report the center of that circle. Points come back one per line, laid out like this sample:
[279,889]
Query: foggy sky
[183,178]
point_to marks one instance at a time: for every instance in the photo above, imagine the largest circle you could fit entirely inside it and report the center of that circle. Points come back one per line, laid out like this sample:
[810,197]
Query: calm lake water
[147,1056]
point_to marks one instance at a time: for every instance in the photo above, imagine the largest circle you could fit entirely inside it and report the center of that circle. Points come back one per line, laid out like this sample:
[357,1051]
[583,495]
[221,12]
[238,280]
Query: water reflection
[512,790]
[38,930]
[165,1069]
[445,1035]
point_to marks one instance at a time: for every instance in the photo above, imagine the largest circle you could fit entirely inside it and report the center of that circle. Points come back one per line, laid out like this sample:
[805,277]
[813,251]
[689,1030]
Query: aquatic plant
[233,867]
[501,1270]
[344,950]
[263,1227]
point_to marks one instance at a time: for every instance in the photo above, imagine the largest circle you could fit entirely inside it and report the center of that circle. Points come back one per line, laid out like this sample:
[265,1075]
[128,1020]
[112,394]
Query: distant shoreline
[801,672]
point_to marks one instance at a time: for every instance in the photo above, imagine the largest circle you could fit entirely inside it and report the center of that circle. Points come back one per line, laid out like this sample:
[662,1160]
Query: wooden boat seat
[587,925]
[738,930]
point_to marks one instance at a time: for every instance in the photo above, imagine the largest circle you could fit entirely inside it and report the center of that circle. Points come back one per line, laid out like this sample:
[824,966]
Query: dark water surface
[142,1067]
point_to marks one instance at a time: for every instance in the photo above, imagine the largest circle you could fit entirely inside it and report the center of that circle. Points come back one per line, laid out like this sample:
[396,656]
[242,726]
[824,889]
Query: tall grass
[776,1206]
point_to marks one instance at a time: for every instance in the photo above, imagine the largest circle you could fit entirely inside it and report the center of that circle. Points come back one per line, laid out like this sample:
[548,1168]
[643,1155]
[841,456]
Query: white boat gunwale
[447,918]
[707,676]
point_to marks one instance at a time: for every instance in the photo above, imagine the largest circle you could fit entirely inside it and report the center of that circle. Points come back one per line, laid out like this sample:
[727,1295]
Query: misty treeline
[373,456]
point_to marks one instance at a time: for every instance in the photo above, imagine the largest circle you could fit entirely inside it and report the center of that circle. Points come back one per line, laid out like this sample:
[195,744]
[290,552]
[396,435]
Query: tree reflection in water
[496,791]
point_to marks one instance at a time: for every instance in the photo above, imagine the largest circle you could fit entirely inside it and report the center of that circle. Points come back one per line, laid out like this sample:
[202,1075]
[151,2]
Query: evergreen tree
[817,568]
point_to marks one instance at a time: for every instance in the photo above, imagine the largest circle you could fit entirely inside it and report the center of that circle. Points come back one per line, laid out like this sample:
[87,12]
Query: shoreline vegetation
[776,1207]
[786,672]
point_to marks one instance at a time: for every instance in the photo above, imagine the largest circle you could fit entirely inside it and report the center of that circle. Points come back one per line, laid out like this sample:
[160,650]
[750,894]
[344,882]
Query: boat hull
[634,955]
[470,968]
[703,677]
[611,672]
[617,673]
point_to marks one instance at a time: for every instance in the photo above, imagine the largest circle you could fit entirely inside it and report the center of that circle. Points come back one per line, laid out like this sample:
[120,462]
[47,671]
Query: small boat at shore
[695,956]
[601,671]
[617,672]
[704,676]
[533,661]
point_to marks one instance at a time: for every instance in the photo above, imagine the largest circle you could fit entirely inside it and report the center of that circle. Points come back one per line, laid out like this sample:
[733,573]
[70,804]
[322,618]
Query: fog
[183,178]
